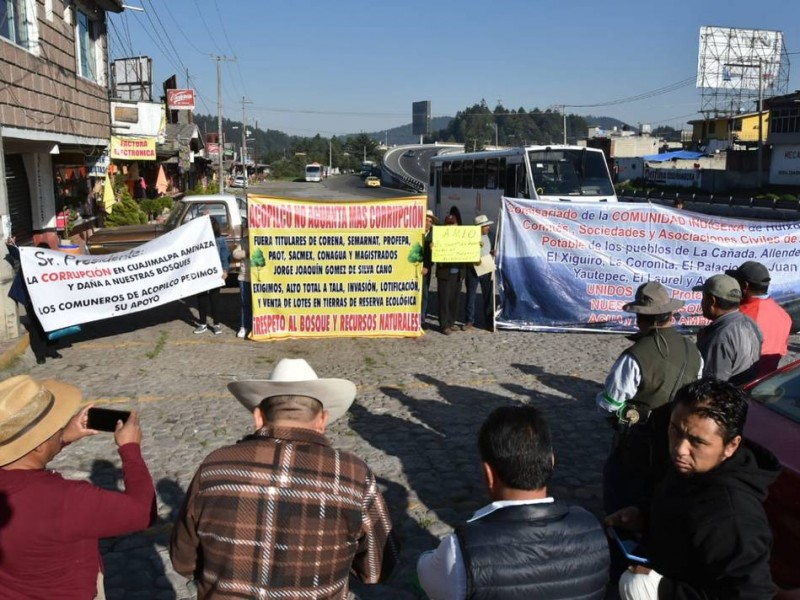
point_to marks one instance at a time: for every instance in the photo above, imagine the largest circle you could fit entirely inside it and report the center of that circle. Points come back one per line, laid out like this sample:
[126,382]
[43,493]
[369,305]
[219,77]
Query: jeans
[487,292]
[246,299]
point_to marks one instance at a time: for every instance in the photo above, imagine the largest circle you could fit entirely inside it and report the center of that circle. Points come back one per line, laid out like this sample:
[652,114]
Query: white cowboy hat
[429,213]
[483,220]
[31,411]
[296,377]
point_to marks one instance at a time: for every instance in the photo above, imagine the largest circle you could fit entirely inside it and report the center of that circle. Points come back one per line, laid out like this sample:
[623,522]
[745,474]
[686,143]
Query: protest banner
[572,266]
[69,289]
[325,269]
[456,244]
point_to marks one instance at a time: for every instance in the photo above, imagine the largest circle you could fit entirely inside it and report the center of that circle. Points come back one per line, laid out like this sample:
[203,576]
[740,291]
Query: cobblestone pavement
[420,403]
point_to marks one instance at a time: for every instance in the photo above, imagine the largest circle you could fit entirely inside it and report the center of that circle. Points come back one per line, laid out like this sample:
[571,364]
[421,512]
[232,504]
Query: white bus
[474,182]
[314,172]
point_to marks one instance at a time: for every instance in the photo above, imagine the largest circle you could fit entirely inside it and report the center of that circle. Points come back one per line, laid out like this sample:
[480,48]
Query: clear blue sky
[344,66]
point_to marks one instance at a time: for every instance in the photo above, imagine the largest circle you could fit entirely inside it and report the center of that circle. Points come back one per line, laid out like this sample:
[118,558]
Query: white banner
[69,289]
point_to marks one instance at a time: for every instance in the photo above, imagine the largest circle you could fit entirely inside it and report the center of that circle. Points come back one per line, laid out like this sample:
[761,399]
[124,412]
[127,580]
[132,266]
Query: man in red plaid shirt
[281,513]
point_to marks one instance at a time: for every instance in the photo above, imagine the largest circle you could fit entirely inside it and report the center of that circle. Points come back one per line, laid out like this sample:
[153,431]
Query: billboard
[180,99]
[421,117]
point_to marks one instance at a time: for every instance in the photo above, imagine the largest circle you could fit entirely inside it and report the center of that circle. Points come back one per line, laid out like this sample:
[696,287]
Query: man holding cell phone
[705,531]
[51,525]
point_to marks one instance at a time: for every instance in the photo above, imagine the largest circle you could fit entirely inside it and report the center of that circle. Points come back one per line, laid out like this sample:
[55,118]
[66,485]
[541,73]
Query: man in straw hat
[638,393]
[281,513]
[427,262]
[731,344]
[50,526]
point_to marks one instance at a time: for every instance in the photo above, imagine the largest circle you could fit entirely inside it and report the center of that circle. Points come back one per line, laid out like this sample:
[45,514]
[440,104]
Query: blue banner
[572,266]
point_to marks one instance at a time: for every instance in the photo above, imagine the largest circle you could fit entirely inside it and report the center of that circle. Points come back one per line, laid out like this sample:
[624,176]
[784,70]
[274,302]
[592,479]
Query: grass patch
[160,343]
[370,362]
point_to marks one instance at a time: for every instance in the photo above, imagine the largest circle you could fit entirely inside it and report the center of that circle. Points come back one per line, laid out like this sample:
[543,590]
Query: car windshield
[570,173]
[780,393]
[174,215]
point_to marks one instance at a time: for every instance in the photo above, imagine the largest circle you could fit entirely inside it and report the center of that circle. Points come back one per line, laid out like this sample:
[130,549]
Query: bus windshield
[570,172]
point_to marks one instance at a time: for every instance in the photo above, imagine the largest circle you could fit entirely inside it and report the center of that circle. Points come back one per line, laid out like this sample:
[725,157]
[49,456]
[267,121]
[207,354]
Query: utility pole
[244,145]
[330,156]
[564,116]
[221,170]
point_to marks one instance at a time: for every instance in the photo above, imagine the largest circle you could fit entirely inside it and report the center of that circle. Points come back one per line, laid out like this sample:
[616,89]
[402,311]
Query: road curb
[14,351]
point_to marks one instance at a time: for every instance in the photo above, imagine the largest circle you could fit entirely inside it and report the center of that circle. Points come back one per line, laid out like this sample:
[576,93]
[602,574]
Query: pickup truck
[230,211]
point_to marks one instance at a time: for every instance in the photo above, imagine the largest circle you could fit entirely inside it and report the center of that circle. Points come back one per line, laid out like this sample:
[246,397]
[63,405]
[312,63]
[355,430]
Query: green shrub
[126,211]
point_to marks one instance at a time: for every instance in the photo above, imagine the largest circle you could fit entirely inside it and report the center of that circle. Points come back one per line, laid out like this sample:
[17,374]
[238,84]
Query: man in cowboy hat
[773,321]
[485,280]
[638,393]
[51,525]
[282,513]
[427,262]
[731,344]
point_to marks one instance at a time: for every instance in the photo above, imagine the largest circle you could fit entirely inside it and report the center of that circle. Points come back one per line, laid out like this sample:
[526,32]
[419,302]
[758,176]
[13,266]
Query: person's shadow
[133,564]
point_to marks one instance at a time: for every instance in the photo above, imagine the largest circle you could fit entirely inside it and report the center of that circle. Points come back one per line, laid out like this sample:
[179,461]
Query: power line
[166,34]
[643,96]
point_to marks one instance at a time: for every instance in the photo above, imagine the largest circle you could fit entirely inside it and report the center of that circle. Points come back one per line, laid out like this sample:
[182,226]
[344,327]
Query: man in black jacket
[524,544]
[705,531]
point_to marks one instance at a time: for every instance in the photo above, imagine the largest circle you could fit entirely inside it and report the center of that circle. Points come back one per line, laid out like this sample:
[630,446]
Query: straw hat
[296,377]
[483,220]
[429,214]
[31,411]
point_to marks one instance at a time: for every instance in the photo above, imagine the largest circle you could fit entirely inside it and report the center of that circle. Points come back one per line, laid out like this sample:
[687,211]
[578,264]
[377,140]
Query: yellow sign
[456,244]
[325,269]
[133,148]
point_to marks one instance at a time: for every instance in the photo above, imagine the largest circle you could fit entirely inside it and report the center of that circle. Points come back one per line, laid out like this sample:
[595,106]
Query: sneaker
[466,326]
[216,329]
[242,332]
[201,328]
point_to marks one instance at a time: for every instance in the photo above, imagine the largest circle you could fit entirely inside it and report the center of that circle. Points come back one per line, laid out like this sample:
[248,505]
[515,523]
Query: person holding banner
[242,254]
[484,278]
[731,344]
[41,345]
[448,280]
[638,396]
[773,321]
[427,263]
[207,301]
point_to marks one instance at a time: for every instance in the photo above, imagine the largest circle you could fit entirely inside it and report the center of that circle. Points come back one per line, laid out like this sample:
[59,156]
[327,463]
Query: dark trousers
[246,297]
[207,305]
[449,289]
[426,284]
[40,345]
[487,293]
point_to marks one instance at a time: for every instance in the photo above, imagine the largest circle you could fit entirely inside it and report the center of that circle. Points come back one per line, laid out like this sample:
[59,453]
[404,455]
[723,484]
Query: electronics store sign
[785,165]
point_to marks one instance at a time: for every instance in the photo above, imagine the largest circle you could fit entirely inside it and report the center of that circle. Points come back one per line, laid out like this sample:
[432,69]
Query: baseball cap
[751,272]
[724,287]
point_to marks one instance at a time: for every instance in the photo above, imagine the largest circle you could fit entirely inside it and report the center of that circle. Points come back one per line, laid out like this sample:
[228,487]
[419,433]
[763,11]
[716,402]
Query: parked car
[773,421]
[238,181]
[372,181]
[229,211]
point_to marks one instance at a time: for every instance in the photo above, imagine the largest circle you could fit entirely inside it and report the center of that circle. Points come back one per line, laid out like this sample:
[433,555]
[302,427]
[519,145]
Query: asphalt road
[337,187]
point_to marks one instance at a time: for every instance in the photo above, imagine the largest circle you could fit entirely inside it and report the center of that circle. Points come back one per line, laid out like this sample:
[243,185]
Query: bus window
[491,174]
[455,174]
[466,174]
[479,174]
[445,175]
[510,183]
[501,173]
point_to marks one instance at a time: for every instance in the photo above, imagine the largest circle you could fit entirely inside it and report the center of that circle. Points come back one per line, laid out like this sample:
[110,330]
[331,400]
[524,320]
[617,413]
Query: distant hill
[402,135]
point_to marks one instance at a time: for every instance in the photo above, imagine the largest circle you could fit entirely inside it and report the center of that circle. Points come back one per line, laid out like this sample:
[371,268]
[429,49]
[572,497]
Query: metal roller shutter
[19,199]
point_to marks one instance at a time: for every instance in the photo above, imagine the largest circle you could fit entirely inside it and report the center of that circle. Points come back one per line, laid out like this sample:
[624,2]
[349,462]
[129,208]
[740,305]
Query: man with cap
[485,280]
[638,393]
[773,321]
[50,526]
[281,513]
[731,344]
[427,262]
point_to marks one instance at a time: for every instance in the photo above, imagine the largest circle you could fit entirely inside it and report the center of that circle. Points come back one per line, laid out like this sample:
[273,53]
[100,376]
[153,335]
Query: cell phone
[105,419]
[629,546]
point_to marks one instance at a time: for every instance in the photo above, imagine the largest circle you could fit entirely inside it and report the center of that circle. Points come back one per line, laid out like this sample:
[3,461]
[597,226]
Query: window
[466,174]
[455,174]
[87,47]
[18,22]
[491,174]
[479,174]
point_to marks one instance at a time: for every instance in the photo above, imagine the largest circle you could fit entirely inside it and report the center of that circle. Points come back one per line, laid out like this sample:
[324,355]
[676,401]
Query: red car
[773,421]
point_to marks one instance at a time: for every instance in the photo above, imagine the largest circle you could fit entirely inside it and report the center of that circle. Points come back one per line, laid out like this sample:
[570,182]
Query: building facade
[54,118]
